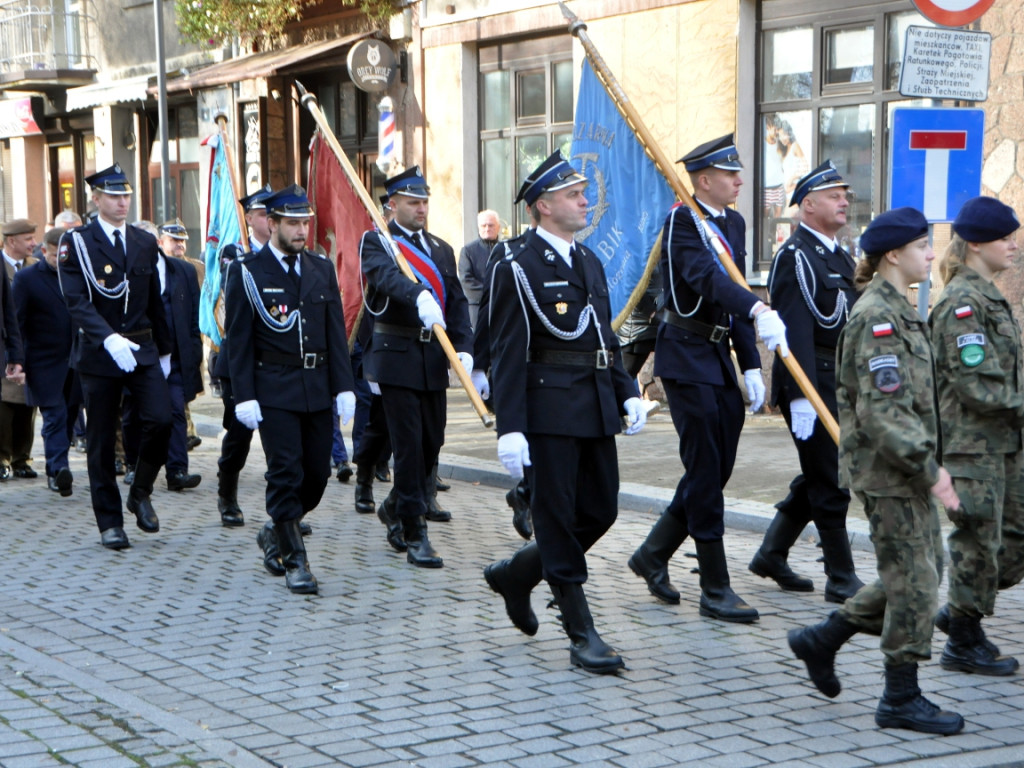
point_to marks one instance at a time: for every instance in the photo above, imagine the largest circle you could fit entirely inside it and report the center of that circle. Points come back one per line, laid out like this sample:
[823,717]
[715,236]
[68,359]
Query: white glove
[120,349]
[483,386]
[801,418]
[514,453]
[466,359]
[755,388]
[374,387]
[249,414]
[636,415]
[165,365]
[772,331]
[346,402]
[430,310]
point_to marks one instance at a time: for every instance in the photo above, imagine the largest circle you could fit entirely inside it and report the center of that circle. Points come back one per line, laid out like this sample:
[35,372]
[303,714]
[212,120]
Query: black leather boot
[365,504]
[435,512]
[139,503]
[297,575]
[396,534]
[419,552]
[903,706]
[842,580]
[966,651]
[514,580]
[770,560]
[586,649]
[942,624]
[519,499]
[267,539]
[817,647]
[227,500]
[650,561]
[717,600]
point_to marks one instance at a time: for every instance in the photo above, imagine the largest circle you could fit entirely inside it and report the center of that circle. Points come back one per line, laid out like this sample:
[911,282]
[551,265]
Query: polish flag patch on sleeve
[964,311]
[882,329]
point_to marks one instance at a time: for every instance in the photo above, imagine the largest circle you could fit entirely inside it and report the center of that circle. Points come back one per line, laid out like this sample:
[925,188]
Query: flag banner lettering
[629,198]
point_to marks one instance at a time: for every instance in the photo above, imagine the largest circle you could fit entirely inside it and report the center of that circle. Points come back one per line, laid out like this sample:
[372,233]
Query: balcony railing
[41,37]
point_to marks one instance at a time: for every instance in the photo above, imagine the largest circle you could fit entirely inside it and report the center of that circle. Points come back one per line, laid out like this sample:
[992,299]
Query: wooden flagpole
[309,102]
[629,113]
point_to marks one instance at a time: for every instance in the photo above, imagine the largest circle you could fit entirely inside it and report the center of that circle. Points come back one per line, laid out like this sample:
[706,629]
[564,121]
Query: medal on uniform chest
[102,283]
[107,269]
[282,310]
[561,307]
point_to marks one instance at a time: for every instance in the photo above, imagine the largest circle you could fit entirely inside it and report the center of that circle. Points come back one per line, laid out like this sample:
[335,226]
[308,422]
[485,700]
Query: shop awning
[262,64]
[113,92]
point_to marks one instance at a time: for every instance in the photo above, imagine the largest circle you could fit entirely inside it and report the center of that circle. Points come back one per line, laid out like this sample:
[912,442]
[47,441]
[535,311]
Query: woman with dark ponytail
[980,372]
[889,456]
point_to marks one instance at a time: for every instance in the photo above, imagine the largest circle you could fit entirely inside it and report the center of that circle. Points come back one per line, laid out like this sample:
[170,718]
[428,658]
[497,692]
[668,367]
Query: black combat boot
[297,575]
[817,647]
[770,560]
[227,500]
[650,561]
[942,624]
[966,650]
[717,600]
[267,539]
[587,649]
[386,514]
[519,499]
[514,580]
[842,580]
[435,512]
[903,706]
[419,551]
[364,490]
[139,503]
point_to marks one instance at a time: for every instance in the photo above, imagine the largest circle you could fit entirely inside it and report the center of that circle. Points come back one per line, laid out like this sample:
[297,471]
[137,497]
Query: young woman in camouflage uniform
[889,456]
[980,372]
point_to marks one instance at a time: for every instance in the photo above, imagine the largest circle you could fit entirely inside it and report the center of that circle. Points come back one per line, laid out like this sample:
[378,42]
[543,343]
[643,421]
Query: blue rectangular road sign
[936,159]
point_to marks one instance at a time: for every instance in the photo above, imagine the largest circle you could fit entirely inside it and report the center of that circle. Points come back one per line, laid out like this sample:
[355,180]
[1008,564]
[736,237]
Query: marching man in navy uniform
[560,395]
[234,448]
[109,276]
[704,311]
[406,362]
[288,359]
[811,287]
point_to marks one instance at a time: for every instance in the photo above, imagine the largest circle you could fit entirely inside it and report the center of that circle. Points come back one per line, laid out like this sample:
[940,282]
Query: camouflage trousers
[986,547]
[901,604]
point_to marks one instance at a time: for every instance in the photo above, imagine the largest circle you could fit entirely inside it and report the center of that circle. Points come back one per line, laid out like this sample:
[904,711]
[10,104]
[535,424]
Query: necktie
[720,221]
[290,260]
[415,240]
[17,266]
[118,242]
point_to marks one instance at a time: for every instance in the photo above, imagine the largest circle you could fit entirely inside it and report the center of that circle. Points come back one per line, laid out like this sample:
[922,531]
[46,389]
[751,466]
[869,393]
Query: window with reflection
[829,72]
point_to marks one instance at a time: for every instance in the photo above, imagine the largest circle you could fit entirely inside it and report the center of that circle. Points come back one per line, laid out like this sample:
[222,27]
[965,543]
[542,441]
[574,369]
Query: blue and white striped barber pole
[386,135]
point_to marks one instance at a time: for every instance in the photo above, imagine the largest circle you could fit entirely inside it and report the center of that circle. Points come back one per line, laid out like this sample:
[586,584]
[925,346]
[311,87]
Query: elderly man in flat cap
[17,418]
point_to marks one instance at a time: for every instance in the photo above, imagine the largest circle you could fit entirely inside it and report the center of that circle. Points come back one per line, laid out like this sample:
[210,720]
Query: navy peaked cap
[825,176]
[717,153]
[553,174]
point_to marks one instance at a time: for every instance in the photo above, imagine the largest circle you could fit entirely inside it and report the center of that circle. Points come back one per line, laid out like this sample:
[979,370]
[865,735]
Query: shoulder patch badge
[882,329]
[62,254]
[886,374]
[972,349]
[964,311]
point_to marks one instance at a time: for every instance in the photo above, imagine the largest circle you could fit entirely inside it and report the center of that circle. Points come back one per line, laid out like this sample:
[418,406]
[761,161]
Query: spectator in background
[473,260]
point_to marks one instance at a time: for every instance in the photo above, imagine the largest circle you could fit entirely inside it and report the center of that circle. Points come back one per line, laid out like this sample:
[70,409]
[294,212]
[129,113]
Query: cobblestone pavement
[183,651]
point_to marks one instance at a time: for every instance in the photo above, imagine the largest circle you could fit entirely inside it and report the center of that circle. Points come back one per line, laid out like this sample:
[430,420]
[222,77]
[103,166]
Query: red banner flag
[338,226]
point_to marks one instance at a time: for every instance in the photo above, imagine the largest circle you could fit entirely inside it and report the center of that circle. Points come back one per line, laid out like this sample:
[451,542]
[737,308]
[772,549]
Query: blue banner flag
[629,198]
[223,228]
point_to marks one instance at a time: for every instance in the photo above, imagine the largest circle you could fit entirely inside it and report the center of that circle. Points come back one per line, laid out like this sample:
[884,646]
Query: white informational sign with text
[945,64]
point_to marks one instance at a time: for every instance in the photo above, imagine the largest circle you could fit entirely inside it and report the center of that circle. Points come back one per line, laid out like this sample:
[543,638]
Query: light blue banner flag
[629,198]
[223,229]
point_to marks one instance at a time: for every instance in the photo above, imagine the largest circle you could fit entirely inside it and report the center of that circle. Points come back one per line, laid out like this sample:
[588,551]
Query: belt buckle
[426,334]
[718,334]
[601,359]
[309,360]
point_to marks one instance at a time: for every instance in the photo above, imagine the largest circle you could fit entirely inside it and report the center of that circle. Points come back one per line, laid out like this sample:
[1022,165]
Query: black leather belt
[824,352]
[308,360]
[599,359]
[420,334]
[146,334]
[713,333]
